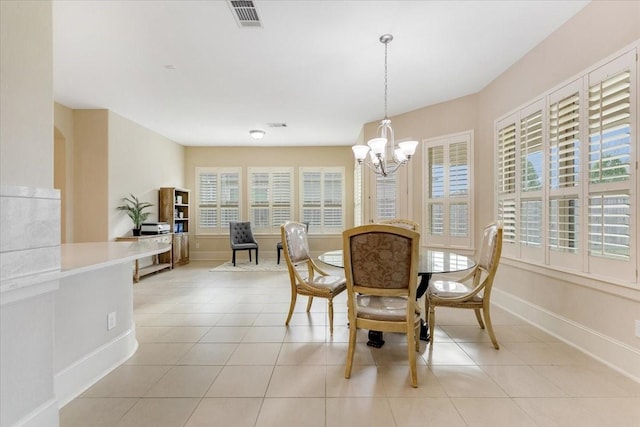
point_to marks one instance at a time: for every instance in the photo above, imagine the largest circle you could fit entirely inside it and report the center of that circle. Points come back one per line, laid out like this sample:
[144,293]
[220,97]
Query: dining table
[432,261]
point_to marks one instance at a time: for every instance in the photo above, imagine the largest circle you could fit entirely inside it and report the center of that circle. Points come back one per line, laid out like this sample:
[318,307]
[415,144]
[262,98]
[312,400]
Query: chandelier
[384,159]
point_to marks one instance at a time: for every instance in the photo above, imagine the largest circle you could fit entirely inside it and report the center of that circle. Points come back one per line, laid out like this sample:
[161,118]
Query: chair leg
[412,357]
[492,335]
[479,317]
[309,304]
[294,296]
[330,316]
[234,258]
[432,322]
[417,336]
[256,256]
[278,255]
[352,349]
[249,255]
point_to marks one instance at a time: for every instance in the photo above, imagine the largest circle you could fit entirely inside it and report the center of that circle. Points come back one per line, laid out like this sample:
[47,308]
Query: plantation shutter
[311,201]
[448,187]
[610,153]
[333,200]
[357,195]
[282,191]
[385,197]
[229,198]
[531,177]
[458,187]
[507,181]
[218,198]
[436,190]
[207,200]
[564,168]
[322,198]
[259,199]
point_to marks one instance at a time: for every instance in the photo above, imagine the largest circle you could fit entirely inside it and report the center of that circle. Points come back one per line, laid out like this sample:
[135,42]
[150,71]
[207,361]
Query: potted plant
[134,208]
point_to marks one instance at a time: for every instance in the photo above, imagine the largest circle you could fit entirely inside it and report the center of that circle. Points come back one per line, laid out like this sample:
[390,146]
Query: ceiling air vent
[277,125]
[245,13]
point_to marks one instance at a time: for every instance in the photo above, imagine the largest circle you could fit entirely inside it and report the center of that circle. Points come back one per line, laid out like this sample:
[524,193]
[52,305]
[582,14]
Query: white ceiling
[315,65]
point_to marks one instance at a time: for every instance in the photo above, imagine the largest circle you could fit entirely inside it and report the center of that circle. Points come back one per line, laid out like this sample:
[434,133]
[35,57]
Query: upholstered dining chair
[400,222]
[381,268]
[312,282]
[279,244]
[242,239]
[474,290]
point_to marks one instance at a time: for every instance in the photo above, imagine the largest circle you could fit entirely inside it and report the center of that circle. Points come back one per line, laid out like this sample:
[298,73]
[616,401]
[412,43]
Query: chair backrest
[381,258]
[491,249]
[240,232]
[406,223]
[295,242]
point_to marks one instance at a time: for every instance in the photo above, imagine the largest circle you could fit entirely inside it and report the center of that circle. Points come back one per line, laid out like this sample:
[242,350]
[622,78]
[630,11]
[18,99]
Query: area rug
[265,265]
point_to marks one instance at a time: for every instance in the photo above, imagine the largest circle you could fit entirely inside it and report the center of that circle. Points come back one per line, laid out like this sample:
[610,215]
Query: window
[580,213]
[386,197]
[449,198]
[218,198]
[322,198]
[357,195]
[270,198]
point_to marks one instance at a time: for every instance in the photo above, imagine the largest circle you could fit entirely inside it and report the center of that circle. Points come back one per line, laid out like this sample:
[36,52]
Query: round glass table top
[431,261]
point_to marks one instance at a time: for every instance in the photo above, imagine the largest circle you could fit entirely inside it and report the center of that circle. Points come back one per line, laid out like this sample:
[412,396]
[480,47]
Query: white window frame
[358,213]
[271,205]
[219,228]
[322,228]
[446,239]
[609,269]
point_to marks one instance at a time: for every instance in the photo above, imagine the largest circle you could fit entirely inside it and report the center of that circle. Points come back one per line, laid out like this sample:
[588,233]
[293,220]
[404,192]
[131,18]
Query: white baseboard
[45,415]
[73,380]
[615,354]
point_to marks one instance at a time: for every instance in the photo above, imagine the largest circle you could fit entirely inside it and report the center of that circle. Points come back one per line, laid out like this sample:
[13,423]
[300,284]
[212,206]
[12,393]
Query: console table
[157,264]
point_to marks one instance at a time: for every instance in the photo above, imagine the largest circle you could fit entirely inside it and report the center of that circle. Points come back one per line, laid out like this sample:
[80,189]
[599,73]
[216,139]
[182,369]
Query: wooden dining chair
[474,290]
[381,268]
[400,222]
[316,282]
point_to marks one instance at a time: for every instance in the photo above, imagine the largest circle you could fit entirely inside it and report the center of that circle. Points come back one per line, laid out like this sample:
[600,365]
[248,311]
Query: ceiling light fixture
[257,133]
[384,159]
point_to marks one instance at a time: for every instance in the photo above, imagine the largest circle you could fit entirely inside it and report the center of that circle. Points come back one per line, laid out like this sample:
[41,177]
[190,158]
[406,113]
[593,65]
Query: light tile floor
[214,351]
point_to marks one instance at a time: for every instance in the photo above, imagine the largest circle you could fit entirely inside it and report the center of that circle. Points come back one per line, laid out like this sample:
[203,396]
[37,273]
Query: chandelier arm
[396,167]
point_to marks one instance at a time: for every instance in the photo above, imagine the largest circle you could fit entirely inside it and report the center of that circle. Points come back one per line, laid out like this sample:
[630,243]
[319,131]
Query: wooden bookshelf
[174,209]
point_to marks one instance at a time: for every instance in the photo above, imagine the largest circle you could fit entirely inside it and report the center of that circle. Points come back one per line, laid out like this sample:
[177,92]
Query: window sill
[626,290]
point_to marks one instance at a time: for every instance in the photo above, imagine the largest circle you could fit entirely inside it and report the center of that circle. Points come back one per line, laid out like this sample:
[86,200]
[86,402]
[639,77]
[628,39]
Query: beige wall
[63,167]
[26,119]
[90,175]
[594,315]
[29,241]
[112,157]
[140,162]
[217,247]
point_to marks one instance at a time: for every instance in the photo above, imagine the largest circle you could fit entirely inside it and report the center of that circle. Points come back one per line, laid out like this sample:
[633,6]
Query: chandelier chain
[381,154]
[386,45]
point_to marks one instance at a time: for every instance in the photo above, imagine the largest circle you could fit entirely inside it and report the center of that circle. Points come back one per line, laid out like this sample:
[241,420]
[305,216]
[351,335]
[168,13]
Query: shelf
[170,210]
[153,268]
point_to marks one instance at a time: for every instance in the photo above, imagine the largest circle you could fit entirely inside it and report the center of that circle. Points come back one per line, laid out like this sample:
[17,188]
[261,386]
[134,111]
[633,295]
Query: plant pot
[136,231]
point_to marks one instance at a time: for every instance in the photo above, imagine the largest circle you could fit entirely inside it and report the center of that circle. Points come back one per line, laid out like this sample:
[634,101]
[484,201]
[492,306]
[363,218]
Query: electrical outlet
[111,320]
[638,328]
[197,245]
